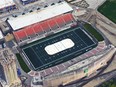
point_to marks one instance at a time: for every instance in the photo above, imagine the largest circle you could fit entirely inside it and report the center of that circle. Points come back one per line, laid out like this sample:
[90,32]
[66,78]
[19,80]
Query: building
[8,68]
[7,5]
[25,2]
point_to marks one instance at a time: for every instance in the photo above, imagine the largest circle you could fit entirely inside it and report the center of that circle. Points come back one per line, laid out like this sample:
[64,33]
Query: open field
[108,9]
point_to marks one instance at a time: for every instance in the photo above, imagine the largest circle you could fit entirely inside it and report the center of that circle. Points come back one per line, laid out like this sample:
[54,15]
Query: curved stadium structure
[56,47]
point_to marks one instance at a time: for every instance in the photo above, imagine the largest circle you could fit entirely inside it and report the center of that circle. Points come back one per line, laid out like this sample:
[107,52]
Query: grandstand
[7,5]
[58,48]
[42,27]
[39,16]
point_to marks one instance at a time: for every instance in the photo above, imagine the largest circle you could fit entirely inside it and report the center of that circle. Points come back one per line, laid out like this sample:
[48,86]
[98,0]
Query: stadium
[55,46]
[59,44]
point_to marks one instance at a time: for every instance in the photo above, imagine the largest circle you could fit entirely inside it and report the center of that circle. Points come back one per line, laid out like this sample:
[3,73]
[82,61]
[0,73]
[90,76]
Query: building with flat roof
[7,5]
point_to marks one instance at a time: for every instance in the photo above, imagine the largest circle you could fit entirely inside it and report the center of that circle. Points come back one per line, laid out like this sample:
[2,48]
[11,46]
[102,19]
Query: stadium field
[58,48]
[108,9]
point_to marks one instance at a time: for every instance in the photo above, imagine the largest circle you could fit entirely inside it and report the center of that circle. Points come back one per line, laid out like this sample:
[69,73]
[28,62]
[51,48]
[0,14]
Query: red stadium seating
[29,31]
[55,69]
[45,26]
[16,36]
[60,21]
[53,24]
[39,28]
[20,35]
[68,18]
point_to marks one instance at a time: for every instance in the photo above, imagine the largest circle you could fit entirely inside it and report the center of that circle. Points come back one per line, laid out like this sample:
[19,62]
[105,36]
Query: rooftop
[38,16]
[6,3]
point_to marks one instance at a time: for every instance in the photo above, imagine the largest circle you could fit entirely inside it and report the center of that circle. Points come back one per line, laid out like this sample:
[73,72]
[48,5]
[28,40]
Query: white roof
[1,35]
[31,18]
[6,3]
[59,46]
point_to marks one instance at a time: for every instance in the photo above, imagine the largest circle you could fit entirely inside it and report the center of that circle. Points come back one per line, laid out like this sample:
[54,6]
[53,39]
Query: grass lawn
[96,34]
[22,63]
[108,9]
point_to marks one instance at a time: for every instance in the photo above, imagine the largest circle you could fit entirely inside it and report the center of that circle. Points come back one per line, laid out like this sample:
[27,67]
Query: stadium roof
[6,3]
[34,17]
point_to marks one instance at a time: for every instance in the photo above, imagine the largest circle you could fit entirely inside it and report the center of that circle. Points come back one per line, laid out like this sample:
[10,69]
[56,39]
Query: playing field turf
[108,9]
[40,59]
